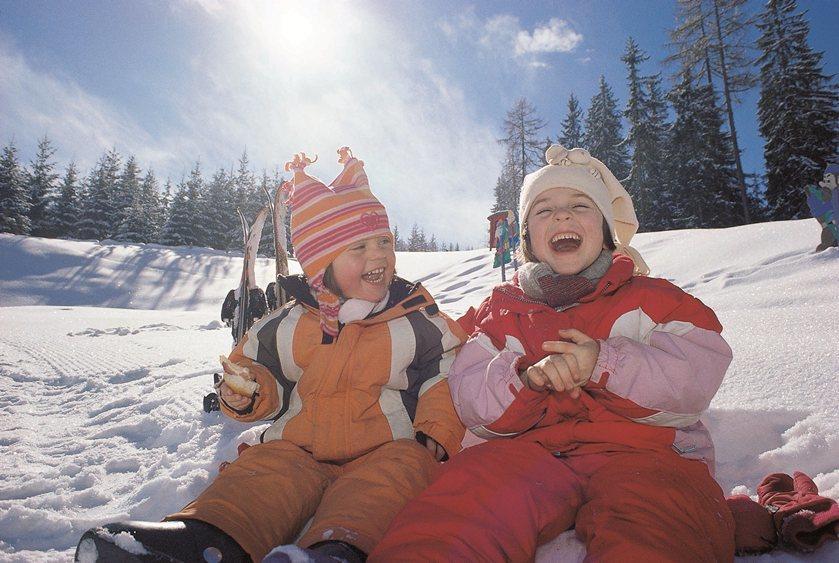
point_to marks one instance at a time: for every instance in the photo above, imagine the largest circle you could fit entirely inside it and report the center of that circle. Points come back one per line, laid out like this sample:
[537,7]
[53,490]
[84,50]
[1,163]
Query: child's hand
[553,372]
[232,398]
[580,355]
[435,448]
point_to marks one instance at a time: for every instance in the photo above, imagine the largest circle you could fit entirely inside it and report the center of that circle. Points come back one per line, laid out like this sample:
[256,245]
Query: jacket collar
[619,273]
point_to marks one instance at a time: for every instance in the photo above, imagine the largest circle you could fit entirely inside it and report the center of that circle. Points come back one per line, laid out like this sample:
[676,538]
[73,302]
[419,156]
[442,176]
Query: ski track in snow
[100,408]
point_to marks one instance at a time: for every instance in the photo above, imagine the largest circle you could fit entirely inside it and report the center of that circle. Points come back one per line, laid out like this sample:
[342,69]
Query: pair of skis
[247,303]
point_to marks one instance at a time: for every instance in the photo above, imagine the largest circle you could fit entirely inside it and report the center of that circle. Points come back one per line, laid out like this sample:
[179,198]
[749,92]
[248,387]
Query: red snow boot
[804,519]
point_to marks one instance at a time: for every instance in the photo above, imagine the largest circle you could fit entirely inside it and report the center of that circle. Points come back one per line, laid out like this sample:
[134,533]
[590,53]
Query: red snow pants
[499,500]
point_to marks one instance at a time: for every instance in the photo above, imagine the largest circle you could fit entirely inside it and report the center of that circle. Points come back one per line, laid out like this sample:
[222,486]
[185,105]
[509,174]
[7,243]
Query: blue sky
[417,89]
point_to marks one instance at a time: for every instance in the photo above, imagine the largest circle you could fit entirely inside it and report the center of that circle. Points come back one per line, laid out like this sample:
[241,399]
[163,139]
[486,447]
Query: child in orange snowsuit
[353,372]
[588,380]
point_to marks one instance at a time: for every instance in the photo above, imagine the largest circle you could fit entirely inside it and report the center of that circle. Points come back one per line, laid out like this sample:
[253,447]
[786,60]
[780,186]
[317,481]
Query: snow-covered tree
[66,212]
[397,239]
[798,109]
[140,223]
[645,112]
[41,181]
[126,200]
[711,39]
[432,244]
[97,209]
[184,226]
[269,184]
[602,136]
[417,241]
[14,197]
[219,214]
[659,173]
[702,171]
[571,135]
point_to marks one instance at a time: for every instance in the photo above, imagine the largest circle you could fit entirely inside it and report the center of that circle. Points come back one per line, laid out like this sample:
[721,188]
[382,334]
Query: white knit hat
[577,169]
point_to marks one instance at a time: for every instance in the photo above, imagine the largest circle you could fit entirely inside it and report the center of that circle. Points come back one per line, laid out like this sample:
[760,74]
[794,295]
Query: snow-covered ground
[106,351]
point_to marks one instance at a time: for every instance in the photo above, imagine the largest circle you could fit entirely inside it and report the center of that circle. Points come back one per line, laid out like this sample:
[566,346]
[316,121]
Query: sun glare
[297,34]
[296,28]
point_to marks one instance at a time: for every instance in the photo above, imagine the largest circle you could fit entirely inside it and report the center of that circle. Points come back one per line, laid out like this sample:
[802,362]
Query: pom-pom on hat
[326,221]
[577,169]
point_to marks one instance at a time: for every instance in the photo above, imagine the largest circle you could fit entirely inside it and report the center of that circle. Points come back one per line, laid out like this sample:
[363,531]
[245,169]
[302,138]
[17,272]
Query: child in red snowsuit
[588,380]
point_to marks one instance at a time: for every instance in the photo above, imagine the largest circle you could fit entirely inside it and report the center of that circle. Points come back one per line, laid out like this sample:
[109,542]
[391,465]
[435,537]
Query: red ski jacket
[662,359]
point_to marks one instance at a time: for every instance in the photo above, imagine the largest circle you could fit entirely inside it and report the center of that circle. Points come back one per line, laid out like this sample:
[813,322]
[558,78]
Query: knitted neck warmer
[540,282]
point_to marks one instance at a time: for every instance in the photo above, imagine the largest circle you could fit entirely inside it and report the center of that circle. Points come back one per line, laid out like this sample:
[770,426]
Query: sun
[298,34]
[296,27]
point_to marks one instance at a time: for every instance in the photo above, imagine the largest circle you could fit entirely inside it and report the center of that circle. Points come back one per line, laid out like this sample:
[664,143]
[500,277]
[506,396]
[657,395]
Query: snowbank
[106,351]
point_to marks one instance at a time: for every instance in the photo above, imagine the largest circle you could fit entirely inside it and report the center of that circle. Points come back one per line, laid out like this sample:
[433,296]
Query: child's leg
[360,504]
[649,506]
[263,498]
[492,502]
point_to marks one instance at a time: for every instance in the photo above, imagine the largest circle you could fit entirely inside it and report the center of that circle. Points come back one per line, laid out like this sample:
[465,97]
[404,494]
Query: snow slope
[106,351]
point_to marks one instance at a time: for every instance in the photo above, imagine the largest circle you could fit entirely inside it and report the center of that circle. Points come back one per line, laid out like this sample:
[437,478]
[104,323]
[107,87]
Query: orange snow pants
[267,495]
[499,500]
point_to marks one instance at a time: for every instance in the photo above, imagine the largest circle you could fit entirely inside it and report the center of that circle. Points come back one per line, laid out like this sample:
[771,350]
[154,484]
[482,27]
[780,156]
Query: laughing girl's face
[366,268]
[565,230]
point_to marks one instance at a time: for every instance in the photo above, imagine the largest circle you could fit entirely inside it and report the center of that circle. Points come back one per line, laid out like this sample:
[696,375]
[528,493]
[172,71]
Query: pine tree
[432,244]
[42,190]
[127,200]
[603,137]
[98,202]
[659,172]
[184,226]
[152,216]
[162,216]
[506,191]
[572,126]
[646,114]
[219,211]
[14,199]
[711,35]
[397,240]
[524,150]
[704,173]
[797,109]
[266,243]
[139,224]
[67,204]
[417,242]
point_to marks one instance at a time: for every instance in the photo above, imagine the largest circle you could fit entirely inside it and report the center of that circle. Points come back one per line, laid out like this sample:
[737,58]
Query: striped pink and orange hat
[326,221]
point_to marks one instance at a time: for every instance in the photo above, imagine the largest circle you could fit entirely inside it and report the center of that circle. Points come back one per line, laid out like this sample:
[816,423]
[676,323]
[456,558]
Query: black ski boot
[183,541]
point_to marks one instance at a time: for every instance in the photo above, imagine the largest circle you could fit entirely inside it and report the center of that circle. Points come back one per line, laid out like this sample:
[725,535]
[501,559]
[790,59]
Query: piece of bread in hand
[237,378]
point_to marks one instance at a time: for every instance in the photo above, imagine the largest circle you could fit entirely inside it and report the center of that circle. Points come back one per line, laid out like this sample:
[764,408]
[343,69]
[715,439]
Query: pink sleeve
[485,387]
[674,376]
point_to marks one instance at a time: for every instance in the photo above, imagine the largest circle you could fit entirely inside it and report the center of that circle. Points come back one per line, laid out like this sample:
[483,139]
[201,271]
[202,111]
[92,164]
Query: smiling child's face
[565,230]
[365,269]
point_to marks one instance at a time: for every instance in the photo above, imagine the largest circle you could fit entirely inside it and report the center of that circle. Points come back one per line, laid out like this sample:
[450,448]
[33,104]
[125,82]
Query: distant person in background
[353,372]
[588,380]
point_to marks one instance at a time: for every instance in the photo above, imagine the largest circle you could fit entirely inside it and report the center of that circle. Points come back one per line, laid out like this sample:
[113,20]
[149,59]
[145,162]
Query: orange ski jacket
[383,378]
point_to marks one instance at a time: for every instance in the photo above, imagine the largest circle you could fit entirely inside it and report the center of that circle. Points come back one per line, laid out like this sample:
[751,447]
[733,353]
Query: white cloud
[504,36]
[556,36]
